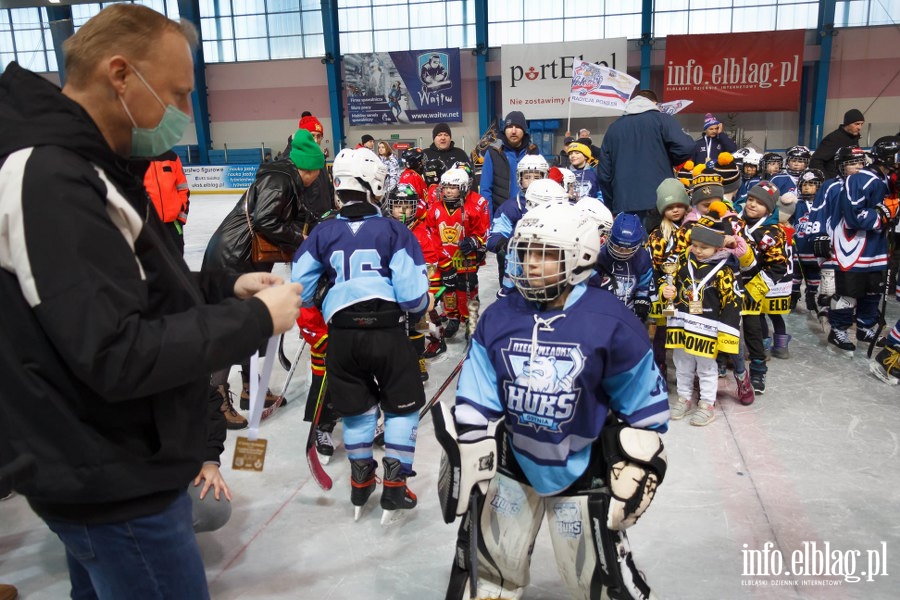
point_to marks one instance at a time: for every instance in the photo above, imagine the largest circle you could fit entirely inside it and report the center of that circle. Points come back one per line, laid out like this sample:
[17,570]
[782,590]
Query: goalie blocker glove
[637,465]
[464,464]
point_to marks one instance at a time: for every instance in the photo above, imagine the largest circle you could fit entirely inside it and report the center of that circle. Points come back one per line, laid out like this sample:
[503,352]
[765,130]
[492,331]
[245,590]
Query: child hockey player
[862,221]
[563,375]
[673,205]
[566,179]
[772,164]
[749,178]
[457,224]
[582,164]
[414,161]
[707,318]
[531,167]
[769,284]
[375,272]
[624,267]
[807,267]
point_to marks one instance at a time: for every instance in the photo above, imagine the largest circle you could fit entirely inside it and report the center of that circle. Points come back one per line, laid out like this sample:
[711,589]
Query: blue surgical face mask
[147,143]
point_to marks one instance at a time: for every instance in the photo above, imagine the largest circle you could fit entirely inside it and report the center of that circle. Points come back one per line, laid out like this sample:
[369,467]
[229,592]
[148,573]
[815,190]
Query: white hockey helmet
[569,183]
[531,163]
[359,170]
[597,212]
[459,179]
[557,234]
[543,191]
[752,157]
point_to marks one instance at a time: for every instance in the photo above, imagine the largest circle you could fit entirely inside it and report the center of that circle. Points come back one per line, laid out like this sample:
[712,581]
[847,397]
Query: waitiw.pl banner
[739,72]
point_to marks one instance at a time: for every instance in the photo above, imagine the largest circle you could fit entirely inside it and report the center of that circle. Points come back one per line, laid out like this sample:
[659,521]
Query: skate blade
[878,372]
[389,518]
[323,458]
[357,512]
[848,354]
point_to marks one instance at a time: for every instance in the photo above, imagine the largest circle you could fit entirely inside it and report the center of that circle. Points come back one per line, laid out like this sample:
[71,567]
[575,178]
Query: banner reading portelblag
[537,78]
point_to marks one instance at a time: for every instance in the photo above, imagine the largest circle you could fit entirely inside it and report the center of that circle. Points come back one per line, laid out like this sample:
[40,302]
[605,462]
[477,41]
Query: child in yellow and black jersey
[707,300]
[768,285]
[673,204]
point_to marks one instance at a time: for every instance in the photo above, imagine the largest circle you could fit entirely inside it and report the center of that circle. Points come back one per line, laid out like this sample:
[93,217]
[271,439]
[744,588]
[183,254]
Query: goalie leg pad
[637,465]
[463,463]
[593,561]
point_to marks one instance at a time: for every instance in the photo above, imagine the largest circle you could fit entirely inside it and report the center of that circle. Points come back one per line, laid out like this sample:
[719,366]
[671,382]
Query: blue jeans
[150,557]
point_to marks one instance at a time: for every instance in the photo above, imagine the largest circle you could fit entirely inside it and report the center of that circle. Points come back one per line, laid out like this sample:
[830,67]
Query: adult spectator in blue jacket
[638,152]
[498,173]
[713,141]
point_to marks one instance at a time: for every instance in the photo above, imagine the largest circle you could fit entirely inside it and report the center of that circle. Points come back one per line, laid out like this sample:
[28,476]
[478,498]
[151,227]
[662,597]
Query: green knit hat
[669,193]
[305,152]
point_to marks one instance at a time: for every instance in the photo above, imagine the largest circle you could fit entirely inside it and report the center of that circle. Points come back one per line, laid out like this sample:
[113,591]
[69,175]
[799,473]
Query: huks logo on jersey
[541,392]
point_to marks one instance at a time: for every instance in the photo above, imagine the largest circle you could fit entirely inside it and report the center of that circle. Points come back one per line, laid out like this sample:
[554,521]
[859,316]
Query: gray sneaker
[679,408]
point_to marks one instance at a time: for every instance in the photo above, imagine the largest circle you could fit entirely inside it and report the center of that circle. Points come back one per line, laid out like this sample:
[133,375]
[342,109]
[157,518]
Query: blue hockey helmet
[626,236]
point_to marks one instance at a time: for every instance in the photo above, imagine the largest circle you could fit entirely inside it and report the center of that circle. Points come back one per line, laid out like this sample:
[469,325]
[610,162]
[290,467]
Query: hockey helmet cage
[543,191]
[569,183]
[552,234]
[359,170]
[402,202]
[626,236]
[454,178]
[814,176]
[849,155]
[794,154]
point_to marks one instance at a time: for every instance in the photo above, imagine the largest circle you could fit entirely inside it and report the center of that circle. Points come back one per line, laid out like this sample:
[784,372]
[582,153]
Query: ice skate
[362,482]
[865,335]
[886,365]
[839,342]
[396,497]
[324,445]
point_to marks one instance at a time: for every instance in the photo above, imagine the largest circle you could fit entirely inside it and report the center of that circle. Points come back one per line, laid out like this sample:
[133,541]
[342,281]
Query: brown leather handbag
[262,251]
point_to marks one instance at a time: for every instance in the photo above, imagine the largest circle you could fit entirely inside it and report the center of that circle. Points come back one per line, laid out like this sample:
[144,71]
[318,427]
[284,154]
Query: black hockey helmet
[433,170]
[414,158]
[814,176]
[884,152]
[771,158]
[849,155]
[797,153]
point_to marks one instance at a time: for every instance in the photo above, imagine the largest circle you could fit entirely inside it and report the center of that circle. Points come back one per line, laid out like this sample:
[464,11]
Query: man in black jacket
[846,135]
[106,338]
[443,148]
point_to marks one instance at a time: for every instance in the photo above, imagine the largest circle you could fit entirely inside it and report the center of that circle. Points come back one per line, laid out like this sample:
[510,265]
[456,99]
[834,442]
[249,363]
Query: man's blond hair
[131,30]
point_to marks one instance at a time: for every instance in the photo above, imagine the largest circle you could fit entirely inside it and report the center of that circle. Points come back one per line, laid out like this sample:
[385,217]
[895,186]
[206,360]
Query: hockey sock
[359,433]
[893,339]
[400,437]
[867,310]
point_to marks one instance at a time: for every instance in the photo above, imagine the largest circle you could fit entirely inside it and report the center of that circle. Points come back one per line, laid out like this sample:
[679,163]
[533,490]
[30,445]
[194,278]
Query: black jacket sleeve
[274,210]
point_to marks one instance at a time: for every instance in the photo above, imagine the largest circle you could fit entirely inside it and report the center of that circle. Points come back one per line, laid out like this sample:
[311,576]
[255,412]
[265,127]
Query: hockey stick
[884,294]
[282,357]
[473,543]
[312,458]
[431,402]
[282,399]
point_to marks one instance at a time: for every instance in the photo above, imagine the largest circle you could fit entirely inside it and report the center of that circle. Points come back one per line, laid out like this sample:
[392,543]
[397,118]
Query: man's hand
[250,283]
[211,477]
[283,302]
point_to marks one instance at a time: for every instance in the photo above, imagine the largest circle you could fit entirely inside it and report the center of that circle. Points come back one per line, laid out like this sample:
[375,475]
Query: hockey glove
[468,245]
[322,287]
[637,465]
[448,278]
[501,246]
[821,246]
[887,211]
[642,308]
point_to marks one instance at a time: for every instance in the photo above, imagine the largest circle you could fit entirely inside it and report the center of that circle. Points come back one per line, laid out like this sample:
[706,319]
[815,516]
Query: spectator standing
[168,189]
[638,153]
[444,149]
[713,141]
[498,173]
[584,137]
[847,134]
[367,141]
[562,160]
[386,155]
[118,335]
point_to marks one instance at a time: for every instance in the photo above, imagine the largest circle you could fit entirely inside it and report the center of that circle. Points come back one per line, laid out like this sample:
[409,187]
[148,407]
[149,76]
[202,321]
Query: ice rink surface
[809,472]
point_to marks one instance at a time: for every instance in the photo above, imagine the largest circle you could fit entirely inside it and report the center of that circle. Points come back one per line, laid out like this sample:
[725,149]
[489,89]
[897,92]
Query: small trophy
[669,268]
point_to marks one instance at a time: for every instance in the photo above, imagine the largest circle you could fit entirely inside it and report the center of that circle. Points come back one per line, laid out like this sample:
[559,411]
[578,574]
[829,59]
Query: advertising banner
[739,72]
[224,177]
[600,86]
[537,78]
[421,86]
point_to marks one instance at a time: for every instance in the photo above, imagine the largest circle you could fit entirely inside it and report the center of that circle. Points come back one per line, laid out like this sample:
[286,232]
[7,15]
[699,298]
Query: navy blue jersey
[626,279]
[586,182]
[553,376]
[365,258]
[860,242]
[505,220]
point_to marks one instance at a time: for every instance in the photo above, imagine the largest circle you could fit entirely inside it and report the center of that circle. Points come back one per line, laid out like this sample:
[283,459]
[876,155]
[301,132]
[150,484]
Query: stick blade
[315,467]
